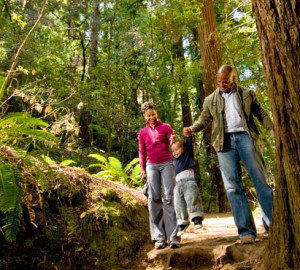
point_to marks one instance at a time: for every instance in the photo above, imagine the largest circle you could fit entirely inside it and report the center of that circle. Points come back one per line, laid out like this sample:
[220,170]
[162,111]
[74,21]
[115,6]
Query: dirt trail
[215,246]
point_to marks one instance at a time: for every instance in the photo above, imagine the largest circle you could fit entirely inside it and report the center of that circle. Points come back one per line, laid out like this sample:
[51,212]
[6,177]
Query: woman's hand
[143,174]
[172,138]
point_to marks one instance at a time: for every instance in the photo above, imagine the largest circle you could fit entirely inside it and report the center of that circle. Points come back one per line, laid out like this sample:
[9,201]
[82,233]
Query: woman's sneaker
[181,229]
[159,244]
[197,223]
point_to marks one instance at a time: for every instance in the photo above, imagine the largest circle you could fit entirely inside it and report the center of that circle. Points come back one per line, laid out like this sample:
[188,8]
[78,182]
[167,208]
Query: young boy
[187,199]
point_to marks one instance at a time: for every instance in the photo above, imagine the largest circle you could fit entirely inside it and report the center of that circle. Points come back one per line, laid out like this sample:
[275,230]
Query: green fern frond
[49,160]
[105,174]
[38,135]
[12,223]
[68,162]
[131,164]
[115,163]
[96,165]
[23,119]
[100,158]
[11,195]
[136,171]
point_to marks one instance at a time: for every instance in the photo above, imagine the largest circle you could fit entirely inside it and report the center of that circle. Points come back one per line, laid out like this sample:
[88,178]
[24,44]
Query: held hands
[187,132]
[172,138]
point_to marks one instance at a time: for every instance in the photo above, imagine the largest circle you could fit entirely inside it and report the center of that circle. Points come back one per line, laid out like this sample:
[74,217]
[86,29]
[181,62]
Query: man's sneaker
[248,239]
[174,244]
[181,229]
[159,244]
[197,223]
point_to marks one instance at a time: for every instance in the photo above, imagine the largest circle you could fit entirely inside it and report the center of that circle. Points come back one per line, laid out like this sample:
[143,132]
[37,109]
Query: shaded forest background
[89,65]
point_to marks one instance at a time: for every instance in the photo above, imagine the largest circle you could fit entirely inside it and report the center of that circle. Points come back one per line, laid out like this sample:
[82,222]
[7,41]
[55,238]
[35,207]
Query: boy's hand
[172,138]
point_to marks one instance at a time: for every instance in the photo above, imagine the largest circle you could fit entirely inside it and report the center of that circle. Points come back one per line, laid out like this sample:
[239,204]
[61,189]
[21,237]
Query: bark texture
[279,31]
[94,39]
[211,56]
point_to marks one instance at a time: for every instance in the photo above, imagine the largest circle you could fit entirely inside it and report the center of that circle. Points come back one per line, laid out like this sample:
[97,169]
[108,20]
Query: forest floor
[215,246]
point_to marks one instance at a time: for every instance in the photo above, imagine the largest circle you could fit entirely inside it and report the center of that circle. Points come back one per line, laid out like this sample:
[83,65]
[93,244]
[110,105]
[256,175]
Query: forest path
[215,246]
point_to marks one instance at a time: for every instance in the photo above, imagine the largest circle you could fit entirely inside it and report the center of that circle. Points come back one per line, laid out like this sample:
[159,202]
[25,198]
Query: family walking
[167,162]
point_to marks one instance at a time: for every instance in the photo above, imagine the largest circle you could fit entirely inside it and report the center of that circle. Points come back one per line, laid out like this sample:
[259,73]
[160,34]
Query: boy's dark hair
[147,105]
[182,142]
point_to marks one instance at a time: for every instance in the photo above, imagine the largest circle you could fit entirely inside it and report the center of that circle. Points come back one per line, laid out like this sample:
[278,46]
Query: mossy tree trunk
[278,27]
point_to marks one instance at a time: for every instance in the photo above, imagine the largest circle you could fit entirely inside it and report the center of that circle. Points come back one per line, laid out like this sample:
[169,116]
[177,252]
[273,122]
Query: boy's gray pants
[162,217]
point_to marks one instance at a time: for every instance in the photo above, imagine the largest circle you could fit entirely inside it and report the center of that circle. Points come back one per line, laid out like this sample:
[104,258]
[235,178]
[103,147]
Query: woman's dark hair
[147,105]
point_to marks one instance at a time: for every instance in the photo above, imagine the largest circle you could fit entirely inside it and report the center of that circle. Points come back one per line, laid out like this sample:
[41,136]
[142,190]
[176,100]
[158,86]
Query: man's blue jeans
[239,147]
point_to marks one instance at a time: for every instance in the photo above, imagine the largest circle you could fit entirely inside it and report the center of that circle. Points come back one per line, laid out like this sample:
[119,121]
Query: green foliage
[154,54]
[68,162]
[112,169]
[19,128]
[11,196]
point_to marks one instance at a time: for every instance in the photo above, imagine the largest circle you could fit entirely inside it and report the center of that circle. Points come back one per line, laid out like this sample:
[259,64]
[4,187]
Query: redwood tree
[278,27]
[211,56]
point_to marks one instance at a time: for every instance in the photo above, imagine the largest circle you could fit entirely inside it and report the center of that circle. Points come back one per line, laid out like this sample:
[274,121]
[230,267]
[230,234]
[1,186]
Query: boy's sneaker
[197,223]
[174,244]
[181,229]
[159,244]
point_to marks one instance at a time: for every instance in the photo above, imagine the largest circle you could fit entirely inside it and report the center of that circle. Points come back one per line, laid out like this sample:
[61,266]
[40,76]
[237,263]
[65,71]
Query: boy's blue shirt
[186,159]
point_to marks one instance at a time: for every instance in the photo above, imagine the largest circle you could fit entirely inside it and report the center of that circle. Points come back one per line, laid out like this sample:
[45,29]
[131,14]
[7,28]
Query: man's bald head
[225,78]
[226,69]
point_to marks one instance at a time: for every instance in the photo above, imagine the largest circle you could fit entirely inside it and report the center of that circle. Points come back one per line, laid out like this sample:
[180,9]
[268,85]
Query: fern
[131,164]
[49,160]
[112,169]
[21,127]
[10,200]
[68,162]
[115,163]
[100,158]
[22,120]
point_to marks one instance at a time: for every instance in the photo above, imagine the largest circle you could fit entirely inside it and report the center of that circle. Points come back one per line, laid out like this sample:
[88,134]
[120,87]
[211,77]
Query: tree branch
[9,75]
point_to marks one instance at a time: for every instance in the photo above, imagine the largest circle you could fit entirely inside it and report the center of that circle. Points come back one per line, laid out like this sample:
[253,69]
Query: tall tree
[94,39]
[278,27]
[108,79]
[211,56]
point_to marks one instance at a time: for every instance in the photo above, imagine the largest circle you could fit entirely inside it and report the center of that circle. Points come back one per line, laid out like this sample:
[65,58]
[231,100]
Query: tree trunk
[279,32]
[94,40]
[108,76]
[211,56]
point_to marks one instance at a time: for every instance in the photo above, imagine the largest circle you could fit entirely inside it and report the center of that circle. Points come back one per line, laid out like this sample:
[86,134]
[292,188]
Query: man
[231,109]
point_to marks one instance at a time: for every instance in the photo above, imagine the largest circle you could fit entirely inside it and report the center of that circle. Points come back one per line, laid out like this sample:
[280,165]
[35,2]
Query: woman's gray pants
[162,217]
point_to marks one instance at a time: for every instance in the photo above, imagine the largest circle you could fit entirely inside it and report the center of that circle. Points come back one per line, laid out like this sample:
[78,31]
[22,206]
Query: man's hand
[143,174]
[187,132]
[272,133]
